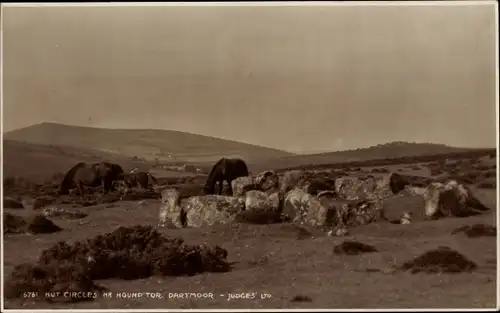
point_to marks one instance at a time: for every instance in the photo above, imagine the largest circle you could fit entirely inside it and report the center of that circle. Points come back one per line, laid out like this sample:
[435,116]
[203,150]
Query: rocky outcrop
[241,185]
[361,212]
[325,210]
[170,209]
[301,207]
[448,199]
[293,179]
[208,210]
[261,208]
[256,200]
[371,188]
[267,181]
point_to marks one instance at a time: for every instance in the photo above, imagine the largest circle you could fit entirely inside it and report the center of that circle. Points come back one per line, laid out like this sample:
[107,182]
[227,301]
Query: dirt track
[293,264]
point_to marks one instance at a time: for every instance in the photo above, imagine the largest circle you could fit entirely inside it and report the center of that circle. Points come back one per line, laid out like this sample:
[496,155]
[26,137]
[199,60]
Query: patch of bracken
[441,260]
[126,253]
[13,224]
[353,247]
[53,277]
[39,224]
[35,224]
[487,184]
[477,230]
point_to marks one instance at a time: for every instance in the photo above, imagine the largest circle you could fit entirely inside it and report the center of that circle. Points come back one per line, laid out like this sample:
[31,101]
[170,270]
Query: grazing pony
[141,179]
[225,170]
[90,175]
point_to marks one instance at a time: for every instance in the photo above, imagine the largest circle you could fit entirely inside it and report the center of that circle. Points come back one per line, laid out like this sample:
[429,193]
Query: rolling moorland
[279,259]
[146,144]
[43,145]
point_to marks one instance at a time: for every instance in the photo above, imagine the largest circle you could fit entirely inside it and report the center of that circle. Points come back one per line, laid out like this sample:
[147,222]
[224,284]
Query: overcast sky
[300,78]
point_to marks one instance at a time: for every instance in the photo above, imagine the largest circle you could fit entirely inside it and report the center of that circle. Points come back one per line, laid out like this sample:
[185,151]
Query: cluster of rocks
[331,200]
[269,197]
[297,196]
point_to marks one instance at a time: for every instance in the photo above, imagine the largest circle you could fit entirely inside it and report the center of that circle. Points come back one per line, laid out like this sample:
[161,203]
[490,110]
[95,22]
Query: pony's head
[120,176]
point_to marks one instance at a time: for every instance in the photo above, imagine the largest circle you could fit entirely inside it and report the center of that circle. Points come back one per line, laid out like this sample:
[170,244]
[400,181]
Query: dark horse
[137,179]
[225,170]
[91,175]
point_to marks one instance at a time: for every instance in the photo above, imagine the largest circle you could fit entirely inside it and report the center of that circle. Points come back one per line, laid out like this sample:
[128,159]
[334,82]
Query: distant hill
[397,149]
[50,148]
[42,161]
[143,143]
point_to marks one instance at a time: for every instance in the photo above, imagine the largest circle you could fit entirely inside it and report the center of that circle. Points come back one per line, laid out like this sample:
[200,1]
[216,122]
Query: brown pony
[90,175]
[141,179]
[225,169]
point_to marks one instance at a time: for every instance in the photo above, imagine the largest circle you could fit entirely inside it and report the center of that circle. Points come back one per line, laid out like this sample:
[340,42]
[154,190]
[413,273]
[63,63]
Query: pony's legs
[80,189]
[142,185]
[112,186]
[103,186]
[230,188]
[221,186]
[106,186]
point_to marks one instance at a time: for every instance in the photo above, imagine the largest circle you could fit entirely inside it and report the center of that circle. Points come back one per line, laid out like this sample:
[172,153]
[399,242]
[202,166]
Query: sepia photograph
[249,155]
